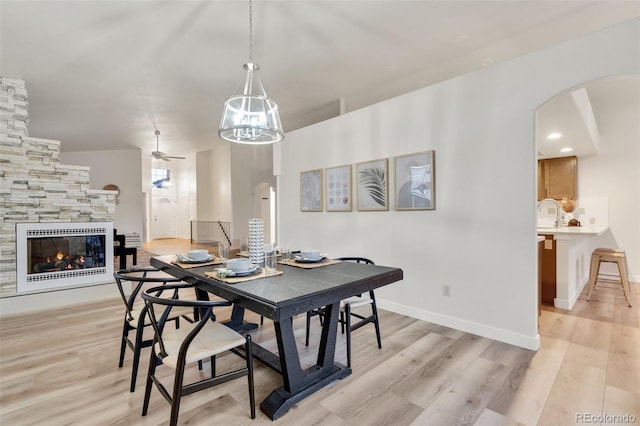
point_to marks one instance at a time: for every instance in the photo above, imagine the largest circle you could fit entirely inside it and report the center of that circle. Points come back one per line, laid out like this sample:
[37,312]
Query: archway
[608,164]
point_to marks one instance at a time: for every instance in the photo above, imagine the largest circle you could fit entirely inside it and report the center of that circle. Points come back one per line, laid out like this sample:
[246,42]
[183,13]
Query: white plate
[185,259]
[247,272]
[301,259]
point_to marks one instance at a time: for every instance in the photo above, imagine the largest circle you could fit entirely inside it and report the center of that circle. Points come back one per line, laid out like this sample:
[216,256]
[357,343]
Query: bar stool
[618,257]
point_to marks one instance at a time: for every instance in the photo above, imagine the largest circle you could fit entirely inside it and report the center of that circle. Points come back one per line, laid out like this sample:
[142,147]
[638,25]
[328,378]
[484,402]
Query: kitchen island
[573,254]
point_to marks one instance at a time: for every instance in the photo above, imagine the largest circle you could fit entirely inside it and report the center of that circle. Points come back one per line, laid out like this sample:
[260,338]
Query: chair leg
[376,322]
[252,395]
[153,363]
[342,321]
[347,315]
[593,274]
[213,366]
[624,278]
[137,348]
[177,393]
[123,344]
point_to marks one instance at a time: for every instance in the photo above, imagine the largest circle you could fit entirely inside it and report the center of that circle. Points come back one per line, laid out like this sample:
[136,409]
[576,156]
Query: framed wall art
[311,191]
[338,189]
[373,185]
[415,181]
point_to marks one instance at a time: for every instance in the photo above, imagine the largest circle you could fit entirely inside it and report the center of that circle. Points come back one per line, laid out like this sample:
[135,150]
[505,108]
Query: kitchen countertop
[592,230]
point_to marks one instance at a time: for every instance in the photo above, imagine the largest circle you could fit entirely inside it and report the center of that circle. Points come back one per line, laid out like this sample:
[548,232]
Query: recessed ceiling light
[567,149]
[554,135]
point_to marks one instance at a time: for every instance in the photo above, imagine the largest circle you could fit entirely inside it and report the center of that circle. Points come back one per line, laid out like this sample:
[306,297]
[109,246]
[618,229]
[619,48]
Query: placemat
[214,261]
[325,262]
[235,280]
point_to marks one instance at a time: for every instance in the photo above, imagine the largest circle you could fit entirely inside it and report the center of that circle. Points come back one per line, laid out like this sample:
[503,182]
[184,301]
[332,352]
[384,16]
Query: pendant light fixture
[251,117]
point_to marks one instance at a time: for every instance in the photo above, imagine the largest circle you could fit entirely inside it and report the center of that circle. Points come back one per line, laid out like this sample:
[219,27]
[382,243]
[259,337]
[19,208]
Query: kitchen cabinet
[558,178]
[540,246]
[548,270]
[565,259]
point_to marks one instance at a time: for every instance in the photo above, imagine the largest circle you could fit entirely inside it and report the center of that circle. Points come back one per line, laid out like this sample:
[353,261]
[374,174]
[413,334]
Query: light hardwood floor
[61,367]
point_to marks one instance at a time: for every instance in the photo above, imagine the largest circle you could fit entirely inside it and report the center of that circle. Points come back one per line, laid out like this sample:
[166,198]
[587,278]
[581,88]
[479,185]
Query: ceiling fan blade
[175,157]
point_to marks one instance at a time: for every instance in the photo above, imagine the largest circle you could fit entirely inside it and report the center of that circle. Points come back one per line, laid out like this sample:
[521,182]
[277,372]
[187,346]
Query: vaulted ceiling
[106,74]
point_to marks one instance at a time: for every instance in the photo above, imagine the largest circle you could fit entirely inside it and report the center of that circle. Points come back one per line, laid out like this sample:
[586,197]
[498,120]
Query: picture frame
[338,189]
[373,185]
[415,181]
[311,191]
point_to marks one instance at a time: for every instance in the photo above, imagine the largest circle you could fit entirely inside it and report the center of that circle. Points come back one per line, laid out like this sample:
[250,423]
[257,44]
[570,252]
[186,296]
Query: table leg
[236,322]
[298,383]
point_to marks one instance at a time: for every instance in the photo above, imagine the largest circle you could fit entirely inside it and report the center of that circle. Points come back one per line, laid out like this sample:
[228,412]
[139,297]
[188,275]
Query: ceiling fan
[158,155]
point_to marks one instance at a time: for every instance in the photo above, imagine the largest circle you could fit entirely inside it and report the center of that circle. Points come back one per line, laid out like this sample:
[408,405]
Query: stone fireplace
[38,193]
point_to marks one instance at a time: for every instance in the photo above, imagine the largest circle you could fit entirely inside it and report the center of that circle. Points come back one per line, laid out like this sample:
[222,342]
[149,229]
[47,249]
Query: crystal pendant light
[251,117]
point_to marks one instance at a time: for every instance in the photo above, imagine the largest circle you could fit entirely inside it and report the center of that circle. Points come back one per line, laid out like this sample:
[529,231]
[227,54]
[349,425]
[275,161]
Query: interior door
[164,221]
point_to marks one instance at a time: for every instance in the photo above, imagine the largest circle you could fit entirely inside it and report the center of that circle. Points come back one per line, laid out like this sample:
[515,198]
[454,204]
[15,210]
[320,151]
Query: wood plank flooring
[61,367]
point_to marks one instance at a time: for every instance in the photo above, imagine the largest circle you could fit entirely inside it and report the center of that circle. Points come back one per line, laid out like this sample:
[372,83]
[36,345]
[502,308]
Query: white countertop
[574,230]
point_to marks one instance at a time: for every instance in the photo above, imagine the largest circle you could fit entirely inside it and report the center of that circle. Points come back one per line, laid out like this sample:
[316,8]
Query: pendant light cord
[250,31]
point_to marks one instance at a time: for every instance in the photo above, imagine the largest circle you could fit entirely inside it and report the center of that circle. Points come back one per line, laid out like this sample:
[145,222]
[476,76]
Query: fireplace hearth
[56,255]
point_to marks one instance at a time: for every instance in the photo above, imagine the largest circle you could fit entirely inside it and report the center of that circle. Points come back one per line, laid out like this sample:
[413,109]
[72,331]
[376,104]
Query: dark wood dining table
[280,298]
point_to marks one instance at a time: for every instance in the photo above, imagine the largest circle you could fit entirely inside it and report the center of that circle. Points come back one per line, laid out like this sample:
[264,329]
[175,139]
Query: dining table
[280,297]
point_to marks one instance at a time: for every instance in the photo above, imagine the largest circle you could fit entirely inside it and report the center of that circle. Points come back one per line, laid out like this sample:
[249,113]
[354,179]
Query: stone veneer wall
[34,186]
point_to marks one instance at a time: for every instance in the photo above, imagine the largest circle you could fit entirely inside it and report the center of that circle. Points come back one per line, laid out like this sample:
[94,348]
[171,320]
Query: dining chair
[135,316]
[195,342]
[347,312]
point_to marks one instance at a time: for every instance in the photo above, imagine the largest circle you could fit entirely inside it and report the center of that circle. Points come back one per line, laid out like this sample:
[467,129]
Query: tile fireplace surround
[34,186]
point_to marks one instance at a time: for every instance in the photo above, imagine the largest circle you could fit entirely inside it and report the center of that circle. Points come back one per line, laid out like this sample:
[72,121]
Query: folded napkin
[223,272]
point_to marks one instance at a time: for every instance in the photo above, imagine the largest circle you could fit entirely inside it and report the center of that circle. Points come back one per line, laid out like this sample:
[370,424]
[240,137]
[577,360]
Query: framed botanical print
[415,181]
[373,185]
[311,191]
[338,189]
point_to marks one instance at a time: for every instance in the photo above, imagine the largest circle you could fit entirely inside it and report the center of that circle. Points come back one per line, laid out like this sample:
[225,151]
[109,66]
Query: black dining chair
[196,342]
[347,307]
[135,315]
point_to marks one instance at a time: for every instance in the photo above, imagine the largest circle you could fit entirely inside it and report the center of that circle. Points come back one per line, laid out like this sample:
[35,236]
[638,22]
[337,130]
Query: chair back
[161,300]
[357,260]
[138,277]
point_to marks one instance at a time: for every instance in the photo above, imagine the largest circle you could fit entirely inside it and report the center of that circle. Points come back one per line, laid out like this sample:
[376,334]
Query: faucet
[559,211]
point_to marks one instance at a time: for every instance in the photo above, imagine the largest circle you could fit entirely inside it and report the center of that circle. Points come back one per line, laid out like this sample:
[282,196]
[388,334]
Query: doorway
[164,223]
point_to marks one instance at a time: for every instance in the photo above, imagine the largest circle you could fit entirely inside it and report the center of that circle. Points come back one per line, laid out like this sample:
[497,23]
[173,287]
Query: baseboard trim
[21,303]
[502,335]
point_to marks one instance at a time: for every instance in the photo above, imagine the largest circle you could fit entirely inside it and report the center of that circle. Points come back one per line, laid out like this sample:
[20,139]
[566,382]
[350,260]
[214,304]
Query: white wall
[480,240]
[213,176]
[250,166]
[615,174]
[121,168]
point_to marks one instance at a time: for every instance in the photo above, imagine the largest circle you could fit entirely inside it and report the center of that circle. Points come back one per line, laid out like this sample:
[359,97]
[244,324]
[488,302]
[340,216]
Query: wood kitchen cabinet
[558,178]
[548,270]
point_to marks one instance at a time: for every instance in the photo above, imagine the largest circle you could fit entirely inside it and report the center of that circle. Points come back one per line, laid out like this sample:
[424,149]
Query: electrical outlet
[446,290]
[592,221]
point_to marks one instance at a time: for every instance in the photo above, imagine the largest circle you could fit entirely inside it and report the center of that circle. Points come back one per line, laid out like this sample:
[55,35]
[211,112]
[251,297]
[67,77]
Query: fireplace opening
[51,254]
[57,255]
